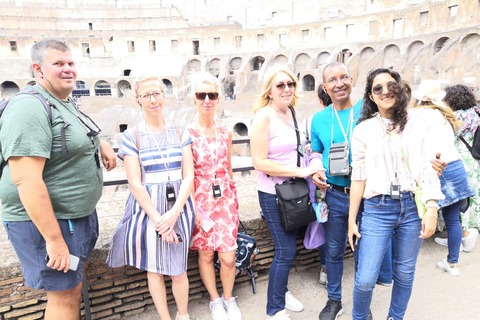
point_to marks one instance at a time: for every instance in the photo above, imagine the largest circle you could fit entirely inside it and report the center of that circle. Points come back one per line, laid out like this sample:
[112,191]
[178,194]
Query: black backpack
[48,108]
[475,147]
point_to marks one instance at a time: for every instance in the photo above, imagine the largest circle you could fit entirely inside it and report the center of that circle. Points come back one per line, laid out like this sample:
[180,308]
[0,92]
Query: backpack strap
[466,143]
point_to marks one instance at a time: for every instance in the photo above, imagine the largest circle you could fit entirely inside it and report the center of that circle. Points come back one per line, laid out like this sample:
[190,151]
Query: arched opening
[414,49]
[167,83]
[308,83]
[439,44]
[122,127]
[323,58]
[344,55]
[9,89]
[214,67]
[102,88]
[124,88]
[127,72]
[281,60]
[81,89]
[366,54]
[471,39]
[301,62]
[235,65]
[194,65]
[241,129]
[257,63]
[390,56]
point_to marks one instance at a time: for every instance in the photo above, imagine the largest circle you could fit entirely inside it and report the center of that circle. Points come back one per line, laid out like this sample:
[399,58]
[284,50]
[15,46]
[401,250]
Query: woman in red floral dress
[215,198]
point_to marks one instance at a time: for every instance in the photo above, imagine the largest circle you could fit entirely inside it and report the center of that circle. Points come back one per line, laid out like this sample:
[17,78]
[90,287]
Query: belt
[343,189]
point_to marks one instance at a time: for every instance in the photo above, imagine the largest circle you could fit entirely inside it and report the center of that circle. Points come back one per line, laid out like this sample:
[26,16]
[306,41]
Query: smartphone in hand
[74,261]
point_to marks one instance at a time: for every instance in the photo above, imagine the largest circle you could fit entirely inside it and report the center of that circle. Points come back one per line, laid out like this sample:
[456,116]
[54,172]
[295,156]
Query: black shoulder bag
[293,197]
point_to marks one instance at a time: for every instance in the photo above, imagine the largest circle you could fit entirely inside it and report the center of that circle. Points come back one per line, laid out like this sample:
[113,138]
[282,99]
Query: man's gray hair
[39,49]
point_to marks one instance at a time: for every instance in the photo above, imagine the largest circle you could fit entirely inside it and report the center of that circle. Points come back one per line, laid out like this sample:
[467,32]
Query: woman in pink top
[274,153]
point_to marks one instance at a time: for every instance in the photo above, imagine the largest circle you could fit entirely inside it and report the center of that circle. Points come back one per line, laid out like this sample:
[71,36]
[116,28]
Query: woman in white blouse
[389,160]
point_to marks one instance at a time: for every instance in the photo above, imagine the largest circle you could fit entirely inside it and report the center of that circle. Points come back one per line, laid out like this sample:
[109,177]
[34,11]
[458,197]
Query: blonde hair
[446,112]
[264,100]
[197,78]
[140,80]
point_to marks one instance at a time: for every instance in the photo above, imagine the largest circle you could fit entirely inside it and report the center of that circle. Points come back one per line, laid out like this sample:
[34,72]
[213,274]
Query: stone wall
[119,292]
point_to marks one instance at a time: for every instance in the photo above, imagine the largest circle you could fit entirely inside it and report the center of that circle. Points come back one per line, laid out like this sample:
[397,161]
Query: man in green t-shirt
[49,197]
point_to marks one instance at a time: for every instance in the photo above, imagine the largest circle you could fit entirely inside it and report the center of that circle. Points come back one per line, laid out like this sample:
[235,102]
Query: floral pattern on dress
[223,210]
[470,122]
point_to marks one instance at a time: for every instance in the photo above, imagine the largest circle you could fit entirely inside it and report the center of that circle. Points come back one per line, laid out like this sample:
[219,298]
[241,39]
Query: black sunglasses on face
[392,87]
[203,95]
[290,84]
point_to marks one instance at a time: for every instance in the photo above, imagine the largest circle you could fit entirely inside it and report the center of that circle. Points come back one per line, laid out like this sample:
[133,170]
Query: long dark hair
[370,108]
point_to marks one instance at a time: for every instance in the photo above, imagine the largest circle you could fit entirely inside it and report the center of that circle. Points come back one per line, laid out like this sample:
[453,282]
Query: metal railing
[236,169]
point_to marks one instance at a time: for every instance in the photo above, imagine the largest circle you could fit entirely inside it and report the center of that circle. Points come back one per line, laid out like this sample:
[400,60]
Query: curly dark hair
[459,97]
[400,115]
[322,95]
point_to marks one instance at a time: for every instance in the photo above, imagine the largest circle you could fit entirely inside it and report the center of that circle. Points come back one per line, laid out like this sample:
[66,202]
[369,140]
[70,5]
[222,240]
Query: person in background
[462,101]
[48,193]
[389,160]
[154,234]
[215,195]
[274,155]
[455,185]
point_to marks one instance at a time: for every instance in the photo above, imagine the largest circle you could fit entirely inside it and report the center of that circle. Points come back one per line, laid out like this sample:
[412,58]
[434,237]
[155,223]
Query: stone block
[25,303]
[16,313]
[37,315]
[133,312]
[130,306]
[105,292]
[109,305]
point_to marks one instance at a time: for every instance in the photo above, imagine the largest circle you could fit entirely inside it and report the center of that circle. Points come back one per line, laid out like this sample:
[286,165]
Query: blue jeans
[384,218]
[451,215]
[285,250]
[336,229]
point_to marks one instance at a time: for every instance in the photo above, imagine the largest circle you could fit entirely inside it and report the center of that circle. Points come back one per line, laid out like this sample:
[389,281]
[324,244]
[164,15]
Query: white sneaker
[292,303]
[185,317]
[444,242]
[232,309]
[323,277]
[450,269]
[469,241]
[218,311]
[280,315]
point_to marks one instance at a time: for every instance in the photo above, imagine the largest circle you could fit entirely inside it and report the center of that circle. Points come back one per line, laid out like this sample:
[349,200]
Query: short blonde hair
[140,80]
[197,78]
[264,100]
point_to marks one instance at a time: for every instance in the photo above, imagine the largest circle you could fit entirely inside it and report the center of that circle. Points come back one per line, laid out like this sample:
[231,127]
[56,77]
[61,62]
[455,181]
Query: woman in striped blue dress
[154,234]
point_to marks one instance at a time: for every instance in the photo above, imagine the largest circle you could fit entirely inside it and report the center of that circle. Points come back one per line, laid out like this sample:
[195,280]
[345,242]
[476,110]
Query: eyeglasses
[147,96]
[90,132]
[343,79]
[203,95]
[392,87]
[290,84]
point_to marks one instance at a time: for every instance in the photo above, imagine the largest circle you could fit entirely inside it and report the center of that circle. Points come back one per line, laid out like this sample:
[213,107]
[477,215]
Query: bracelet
[432,205]
[433,215]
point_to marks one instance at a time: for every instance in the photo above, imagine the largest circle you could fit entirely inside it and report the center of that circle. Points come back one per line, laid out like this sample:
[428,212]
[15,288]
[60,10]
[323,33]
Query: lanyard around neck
[283,117]
[214,154]
[166,164]
[349,126]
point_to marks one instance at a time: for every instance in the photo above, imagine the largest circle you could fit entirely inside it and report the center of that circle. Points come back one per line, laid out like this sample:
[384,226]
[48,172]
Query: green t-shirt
[74,183]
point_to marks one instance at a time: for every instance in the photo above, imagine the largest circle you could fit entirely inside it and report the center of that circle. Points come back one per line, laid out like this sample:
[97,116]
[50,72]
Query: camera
[338,159]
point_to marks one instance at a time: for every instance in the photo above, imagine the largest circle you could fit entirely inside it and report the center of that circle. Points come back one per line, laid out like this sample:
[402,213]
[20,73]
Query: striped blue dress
[135,241]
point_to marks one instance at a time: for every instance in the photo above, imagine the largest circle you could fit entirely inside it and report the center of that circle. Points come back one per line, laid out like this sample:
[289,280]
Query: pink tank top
[282,149]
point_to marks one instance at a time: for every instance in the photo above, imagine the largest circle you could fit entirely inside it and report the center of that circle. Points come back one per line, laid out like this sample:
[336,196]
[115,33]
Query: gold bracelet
[433,215]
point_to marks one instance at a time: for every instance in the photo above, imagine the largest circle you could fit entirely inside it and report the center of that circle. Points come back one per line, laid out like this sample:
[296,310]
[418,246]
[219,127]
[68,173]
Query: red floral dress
[222,210]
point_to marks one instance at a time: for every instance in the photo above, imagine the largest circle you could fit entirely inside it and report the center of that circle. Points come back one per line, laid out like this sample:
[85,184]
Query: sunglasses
[90,132]
[203,95]
[392,87]
[290,84]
